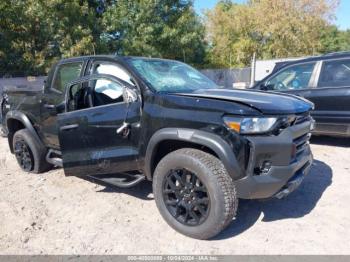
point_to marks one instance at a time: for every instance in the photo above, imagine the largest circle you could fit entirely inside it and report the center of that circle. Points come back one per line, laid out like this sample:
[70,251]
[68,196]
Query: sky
[343,11]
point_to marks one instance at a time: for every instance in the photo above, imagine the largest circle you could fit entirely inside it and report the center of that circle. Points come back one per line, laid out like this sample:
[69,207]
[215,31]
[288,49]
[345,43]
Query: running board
[126,181]
[54,157]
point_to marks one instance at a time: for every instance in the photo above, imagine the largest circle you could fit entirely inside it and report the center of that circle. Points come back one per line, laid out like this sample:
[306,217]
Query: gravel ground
[54,214]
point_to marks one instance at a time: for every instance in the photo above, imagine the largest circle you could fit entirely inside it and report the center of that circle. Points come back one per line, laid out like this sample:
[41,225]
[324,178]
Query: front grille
[301,143]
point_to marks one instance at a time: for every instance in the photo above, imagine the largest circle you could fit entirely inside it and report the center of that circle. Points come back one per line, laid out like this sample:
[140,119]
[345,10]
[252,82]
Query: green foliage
[333,40]
[272,29]
[35,33]
[161,28]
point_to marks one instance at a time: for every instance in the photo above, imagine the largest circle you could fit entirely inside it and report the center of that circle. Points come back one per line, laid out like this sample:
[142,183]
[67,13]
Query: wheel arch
[16,120]
[182,137]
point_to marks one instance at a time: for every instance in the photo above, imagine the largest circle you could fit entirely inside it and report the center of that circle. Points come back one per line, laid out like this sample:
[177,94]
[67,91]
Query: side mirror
[266,87]
[130,95]
[263,87]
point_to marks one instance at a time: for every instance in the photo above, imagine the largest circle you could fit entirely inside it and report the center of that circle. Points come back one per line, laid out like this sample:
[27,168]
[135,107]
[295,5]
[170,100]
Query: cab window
[65,74]
[335,74]
[292,78]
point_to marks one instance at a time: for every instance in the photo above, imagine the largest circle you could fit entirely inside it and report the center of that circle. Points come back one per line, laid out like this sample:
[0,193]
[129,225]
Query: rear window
[66,73]
[335,73]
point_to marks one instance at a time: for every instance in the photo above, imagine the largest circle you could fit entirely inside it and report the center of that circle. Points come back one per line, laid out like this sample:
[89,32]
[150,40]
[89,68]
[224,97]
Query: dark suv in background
[324,80]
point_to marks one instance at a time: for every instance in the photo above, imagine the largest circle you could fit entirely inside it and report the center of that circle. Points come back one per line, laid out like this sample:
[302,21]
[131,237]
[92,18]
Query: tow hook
[290,187]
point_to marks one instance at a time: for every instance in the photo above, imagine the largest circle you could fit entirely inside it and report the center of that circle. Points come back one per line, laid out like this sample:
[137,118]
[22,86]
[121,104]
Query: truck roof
[116,57]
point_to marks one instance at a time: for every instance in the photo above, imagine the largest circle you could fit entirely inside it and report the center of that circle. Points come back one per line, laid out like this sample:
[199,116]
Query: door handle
[69,127]
[124,130]
[48,106]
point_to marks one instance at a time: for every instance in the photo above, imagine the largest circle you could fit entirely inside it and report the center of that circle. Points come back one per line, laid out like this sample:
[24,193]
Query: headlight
[250,125]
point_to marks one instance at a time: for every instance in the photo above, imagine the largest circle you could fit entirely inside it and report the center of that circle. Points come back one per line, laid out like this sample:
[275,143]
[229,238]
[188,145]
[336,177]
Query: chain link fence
[32,83]
[227,77]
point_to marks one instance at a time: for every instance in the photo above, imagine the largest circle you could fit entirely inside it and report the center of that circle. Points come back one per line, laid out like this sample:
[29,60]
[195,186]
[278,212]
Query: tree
[161,28]
[271,28]
[35,33]
[333,40]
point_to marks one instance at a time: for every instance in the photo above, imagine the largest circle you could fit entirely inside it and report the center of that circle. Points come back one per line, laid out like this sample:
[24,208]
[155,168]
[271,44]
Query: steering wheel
[296,83]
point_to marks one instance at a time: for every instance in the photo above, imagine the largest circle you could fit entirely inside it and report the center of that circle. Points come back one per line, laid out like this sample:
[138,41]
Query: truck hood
[265,102]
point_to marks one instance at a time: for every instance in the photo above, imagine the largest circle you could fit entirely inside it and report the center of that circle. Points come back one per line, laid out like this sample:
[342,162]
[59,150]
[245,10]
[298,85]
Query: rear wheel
[29,154]
[194,193]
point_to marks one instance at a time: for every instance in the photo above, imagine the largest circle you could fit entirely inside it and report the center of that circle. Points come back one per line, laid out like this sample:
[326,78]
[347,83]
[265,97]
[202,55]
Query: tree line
[36,33]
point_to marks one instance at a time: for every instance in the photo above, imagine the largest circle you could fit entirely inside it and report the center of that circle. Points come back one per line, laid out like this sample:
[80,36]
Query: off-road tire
[37,151]
[219,185]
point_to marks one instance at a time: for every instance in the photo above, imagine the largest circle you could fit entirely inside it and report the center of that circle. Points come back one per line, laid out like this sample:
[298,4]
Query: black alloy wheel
[186,197]
[24,156]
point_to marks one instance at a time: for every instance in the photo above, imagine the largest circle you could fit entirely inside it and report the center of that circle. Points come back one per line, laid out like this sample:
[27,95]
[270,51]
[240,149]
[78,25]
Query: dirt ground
[54,214]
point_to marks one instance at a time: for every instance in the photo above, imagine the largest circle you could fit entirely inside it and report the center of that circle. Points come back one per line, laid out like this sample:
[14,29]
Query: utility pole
[252,72]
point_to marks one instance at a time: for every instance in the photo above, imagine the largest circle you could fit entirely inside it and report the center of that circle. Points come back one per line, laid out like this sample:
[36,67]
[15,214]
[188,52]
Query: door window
[292,78]
[94,93]
[114,70]
[335,73]
[65,74]
[107,92]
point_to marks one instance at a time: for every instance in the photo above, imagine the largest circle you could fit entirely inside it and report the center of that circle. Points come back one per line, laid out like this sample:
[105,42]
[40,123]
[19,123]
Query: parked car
[325,81]
[122,120]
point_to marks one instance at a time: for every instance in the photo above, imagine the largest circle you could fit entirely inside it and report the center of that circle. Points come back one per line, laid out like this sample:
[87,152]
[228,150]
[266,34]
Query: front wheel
[194,193]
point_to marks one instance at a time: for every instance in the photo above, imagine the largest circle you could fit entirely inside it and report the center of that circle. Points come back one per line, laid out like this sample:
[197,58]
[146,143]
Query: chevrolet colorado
[121,120]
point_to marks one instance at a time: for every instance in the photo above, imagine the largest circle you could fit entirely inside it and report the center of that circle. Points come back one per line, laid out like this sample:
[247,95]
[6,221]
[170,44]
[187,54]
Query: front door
[92,138]
[296,79]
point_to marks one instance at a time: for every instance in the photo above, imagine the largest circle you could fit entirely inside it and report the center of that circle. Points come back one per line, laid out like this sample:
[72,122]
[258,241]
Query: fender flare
[209,140]
[21,117]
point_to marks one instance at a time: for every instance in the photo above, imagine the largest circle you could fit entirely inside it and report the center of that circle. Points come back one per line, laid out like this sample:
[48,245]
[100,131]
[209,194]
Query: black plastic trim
[209,140]
[17,115]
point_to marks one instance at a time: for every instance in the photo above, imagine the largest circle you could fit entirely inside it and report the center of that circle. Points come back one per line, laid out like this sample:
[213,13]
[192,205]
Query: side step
[54,157]
[123,180]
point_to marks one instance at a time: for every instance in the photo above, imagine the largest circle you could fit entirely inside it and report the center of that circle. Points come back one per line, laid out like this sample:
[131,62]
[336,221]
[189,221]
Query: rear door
[52,102]
[90,131]
[332,97]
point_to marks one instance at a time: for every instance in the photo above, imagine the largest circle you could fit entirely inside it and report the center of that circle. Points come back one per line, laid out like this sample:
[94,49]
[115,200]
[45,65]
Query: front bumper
[289,157]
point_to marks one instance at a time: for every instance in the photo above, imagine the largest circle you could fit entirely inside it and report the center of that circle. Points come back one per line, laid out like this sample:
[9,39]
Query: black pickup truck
[121,120]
